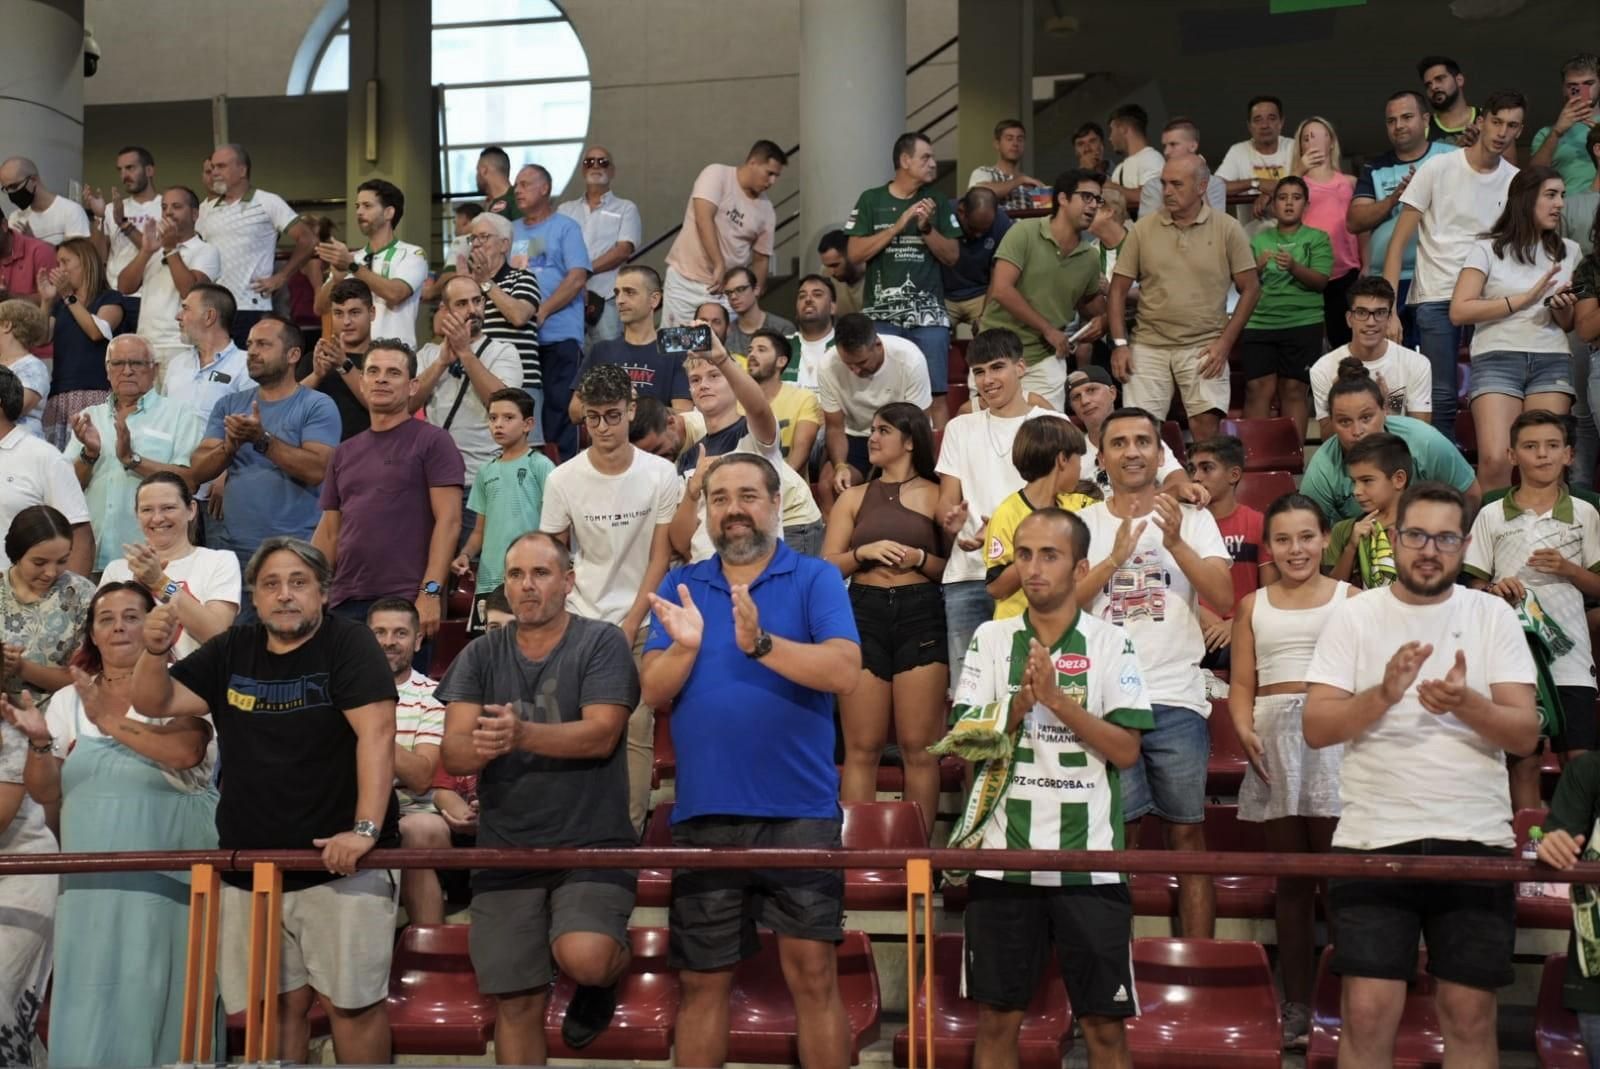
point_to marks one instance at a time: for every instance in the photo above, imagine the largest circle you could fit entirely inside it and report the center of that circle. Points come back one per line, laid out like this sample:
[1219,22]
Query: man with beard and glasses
[393,270]
[1428,686]
[116,229]
[750,646]
[167,262]
[273,441]
[304,702]
[335,365]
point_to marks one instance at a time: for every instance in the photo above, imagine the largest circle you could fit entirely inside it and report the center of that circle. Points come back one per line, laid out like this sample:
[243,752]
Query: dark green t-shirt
[1285,300]
[903,285]
[1574,810]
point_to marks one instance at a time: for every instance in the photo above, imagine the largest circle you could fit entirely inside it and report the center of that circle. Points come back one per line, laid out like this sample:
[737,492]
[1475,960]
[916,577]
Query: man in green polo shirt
[1045,274]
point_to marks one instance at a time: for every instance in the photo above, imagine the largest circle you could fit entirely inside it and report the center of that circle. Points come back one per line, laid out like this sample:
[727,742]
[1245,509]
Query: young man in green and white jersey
[1067,692]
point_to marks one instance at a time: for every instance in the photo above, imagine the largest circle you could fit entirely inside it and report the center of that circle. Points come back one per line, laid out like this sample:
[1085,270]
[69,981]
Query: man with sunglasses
[1046,274]
[1427,685]
[45,215]
[611,231]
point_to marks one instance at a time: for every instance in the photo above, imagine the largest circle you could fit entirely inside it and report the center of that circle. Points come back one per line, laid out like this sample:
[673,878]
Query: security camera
[91,52]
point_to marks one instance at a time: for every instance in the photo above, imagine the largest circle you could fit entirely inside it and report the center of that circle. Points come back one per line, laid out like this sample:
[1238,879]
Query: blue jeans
[1586,446]
[966,605]
[1440,341]
[1169,779]
[558,361]
[935,345]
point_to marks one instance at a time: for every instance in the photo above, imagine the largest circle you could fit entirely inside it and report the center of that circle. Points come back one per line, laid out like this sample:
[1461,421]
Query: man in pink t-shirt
[729,222]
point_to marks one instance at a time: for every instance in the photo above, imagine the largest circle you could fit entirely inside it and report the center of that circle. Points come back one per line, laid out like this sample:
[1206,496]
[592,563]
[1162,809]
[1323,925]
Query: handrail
[925,60]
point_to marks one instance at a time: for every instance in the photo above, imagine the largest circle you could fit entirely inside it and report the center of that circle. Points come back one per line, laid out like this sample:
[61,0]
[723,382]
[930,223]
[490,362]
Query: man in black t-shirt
[304,702]
[334,365]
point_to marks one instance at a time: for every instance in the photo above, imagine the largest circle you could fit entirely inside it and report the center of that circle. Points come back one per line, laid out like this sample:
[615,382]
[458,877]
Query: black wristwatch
[432,588]
[348,366]
[71,298]
[263,443]
[762,647]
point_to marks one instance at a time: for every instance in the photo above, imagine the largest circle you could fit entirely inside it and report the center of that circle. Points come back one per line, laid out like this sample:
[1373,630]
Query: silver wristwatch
[366,829]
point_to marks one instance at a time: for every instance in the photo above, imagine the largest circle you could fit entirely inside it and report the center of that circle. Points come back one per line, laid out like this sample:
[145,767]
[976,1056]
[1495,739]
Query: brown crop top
[883,517]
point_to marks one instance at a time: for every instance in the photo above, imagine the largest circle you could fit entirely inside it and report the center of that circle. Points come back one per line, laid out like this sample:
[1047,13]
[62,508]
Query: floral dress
[49,630]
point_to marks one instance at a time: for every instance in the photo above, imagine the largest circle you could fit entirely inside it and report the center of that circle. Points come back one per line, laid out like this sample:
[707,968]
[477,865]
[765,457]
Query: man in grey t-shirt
[538,712]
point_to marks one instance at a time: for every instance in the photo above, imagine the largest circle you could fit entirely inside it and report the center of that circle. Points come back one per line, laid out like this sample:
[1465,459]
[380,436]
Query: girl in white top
[202,584]
[1515,289]
[1291,788]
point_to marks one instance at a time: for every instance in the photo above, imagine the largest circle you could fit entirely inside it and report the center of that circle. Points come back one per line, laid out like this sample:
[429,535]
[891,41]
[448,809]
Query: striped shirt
[245,232]
[525,339]
[418,720]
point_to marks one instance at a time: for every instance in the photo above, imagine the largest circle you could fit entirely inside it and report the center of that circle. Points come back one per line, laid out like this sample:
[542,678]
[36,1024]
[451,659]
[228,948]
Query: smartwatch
[133,461]
[432,588]
[168,592]
[1119,343]
[762,647]
[366,829]
[71,298]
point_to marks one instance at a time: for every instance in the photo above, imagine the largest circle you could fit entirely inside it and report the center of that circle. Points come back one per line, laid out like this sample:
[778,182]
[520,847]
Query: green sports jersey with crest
[1059,795]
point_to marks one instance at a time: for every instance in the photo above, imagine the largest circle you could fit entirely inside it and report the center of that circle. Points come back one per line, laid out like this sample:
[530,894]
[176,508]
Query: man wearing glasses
[1428,686]
[134,433]
[45,215]
[611,231]
[1404,375]
[511,301]
[1046,274]
[739,286]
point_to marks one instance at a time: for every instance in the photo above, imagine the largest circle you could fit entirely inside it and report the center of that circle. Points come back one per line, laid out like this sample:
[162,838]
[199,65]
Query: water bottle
[1530,852]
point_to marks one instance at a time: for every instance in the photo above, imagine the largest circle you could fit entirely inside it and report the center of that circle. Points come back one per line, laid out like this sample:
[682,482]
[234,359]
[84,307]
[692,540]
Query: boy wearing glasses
[1428,686]
[1404,375]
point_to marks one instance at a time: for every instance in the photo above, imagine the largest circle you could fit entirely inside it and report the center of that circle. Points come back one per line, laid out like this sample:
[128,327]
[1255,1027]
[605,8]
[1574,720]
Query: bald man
[611,230]
[1184,257]
[50,218]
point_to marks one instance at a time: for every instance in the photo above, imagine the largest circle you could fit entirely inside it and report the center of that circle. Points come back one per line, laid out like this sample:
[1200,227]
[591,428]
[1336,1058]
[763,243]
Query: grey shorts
[715,912]
[338,937]
[514,927]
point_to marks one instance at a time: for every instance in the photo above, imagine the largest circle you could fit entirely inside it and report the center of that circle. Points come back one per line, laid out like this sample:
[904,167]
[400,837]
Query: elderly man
[611,230]
[511,299]
[49,217]
[137,432]
[551,246]
[1184,258]
[170,261]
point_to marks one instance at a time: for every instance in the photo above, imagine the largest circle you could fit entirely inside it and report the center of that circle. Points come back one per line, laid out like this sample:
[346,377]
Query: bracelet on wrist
[855,555]
[46,747]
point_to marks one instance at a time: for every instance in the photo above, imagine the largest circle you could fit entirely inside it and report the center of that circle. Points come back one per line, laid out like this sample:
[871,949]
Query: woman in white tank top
[1290,788]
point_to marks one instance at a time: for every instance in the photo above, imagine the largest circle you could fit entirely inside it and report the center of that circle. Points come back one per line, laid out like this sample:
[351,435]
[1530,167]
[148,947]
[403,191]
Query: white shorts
[337,936]
[1156,369]
[1048,379]
[681,296]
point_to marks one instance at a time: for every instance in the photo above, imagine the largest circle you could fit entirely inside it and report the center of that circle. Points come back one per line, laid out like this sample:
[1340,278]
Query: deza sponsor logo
[1073,664]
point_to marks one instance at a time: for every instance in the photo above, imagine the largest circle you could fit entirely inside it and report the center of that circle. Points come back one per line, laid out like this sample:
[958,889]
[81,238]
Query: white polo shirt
[615,220]
[159,301]
[33,472]
[245,233]
[406,263]
[903,376]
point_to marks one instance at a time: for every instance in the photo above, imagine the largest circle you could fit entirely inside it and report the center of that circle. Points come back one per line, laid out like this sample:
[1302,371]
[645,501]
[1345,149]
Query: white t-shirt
[406,263]
[158,295]
[62,220]
[1457,204]
[1406,373]
[123,248]
[34,374]
[903,376]
[612,519]
[1533,329]
[1151,597]
[1139,168]
[1414,774]
[207,574]
[470,427]
[245,233]
[68,723]
[1245,161]
[33,472]
[977,450]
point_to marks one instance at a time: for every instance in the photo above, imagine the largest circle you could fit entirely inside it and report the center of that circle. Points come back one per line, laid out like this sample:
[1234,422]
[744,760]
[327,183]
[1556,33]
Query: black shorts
[901,627]
[715,912]
[1011,929]
[1287,351]
[1470,927]
[855,453]
[1581,730]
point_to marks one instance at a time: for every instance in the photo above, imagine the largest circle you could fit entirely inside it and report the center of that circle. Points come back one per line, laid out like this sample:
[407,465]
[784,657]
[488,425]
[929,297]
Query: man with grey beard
[749,646]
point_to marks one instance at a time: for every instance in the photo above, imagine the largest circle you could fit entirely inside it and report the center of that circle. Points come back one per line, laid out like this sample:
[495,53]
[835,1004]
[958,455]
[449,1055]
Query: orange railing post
[266,953]
[196,1040]
[919,882]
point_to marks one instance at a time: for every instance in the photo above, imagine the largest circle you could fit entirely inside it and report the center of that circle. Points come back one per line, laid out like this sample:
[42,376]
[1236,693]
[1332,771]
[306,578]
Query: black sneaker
[588,1014]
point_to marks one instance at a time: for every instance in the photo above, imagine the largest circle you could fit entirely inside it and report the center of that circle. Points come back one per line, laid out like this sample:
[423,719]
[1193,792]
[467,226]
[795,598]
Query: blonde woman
[1315,158]
[84,314]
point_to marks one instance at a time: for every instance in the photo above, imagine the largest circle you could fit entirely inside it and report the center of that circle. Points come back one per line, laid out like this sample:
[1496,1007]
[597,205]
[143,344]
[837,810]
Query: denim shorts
[1520,374]
[1169,779]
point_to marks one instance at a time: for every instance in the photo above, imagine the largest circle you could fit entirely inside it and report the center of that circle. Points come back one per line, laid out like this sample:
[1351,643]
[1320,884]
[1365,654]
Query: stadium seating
[1538,911]
[447,644]
[874,825]
[1204,1003]
[647,1007]
[1226,767]
[435,1006]
[655,885]
[1156,894]
[1418,1043]
[1258,489]
[958,362]
[761,1018]
[1555,1028]
[1269,444]
[663,758]
[1046,1026]
[1172,436]
[458,601]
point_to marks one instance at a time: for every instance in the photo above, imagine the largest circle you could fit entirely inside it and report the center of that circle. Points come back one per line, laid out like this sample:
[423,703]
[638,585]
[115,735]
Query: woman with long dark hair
[43,605]
[85,312]
[1514,290]
[884,536]
[121,782]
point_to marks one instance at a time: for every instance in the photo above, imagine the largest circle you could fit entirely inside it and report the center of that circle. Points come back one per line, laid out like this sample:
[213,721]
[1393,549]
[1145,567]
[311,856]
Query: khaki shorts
[1156,369]
[680,296]
[966,312]
[337,936]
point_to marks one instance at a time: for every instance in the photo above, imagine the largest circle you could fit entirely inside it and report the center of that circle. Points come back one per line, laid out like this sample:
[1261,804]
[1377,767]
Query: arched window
[484,52]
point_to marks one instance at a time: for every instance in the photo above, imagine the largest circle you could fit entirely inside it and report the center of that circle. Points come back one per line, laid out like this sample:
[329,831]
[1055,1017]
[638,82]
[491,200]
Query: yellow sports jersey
[1001,549]
[795,405]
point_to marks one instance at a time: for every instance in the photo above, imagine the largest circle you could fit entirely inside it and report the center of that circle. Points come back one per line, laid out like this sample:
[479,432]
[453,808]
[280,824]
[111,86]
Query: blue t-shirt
[260,499]
[553,248]
[749,742]
[80,360]
[1378,179]
[969,276]
[653,372]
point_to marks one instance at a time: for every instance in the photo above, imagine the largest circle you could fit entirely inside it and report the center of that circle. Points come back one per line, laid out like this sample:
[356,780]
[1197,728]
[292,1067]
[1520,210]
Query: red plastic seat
[761,1018]
[320,1027]
[958,362]
[1258,489]
[647,1007]
[1204,1002]
[881,825]
[1464,384]
[1274,444]
[1225,768]
[655,885]
[554,454]
[1555,1028]
[1156,894]
[663,758]
[450,641]
[958,396]
[1172,435]
[435,1006]
[1538,911]
[1418,1043]
[891,779]
[458,605]
[1046,1026]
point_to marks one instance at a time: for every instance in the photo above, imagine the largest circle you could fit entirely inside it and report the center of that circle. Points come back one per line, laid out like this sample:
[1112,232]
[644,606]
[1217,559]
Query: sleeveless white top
[1286,638]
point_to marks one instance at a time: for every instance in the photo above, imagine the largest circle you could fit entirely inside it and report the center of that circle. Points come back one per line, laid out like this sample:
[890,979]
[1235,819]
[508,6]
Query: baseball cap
[1093,373]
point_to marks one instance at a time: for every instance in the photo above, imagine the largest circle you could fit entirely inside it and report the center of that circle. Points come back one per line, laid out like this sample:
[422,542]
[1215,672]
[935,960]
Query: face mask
[22,198]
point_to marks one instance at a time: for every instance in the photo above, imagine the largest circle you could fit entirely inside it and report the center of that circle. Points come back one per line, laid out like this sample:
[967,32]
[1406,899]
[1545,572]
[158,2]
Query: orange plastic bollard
[266,954]
[196,1040]
[919,882]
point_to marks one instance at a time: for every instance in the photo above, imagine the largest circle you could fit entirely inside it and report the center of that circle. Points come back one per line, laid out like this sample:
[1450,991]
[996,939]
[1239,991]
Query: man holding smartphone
[1562,144]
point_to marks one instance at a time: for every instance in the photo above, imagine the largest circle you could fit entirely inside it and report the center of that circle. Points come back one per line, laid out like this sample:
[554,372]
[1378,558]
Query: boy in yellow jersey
[1049,454]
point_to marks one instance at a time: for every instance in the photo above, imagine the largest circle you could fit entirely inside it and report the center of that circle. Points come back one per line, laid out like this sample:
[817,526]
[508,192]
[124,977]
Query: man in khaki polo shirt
[1045,274]
[1184,258]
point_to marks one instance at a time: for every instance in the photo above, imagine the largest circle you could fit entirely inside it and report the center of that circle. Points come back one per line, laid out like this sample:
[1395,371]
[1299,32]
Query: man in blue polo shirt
[750,646]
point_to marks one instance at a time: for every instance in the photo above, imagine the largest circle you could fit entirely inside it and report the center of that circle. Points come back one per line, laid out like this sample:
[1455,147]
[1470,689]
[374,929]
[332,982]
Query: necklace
[1001,448]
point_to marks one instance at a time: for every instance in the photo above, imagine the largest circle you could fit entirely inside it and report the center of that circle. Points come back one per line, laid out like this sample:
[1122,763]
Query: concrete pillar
[391,109]
[41,106]
[995,67]
[852,107]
